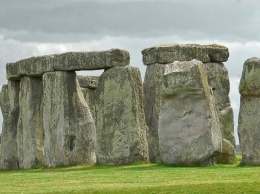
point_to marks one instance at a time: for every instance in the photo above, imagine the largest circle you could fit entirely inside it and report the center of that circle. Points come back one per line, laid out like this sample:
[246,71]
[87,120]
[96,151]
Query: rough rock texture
[90,97]
[248,120]
[68,125]
[227,154]
[250,80]
[219,82]
[91,60]
[121,128]
[34,66]
[88,85]
[88,81]
[189,131]
[71,61]
[30,133]
[152,98]
[9,101]
[169,53]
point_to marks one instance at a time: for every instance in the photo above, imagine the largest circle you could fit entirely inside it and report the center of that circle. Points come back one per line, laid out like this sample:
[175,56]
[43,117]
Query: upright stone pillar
[248,120]
[219,82]
[68,125]
[121,128]
[9,101]
[152,99]
[189,131]
[30,133]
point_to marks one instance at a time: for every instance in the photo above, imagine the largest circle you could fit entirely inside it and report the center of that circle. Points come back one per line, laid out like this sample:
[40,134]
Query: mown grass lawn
[138,178]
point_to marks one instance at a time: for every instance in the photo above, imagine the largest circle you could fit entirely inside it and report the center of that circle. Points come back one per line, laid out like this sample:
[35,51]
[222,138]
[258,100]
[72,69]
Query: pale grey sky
[35,27]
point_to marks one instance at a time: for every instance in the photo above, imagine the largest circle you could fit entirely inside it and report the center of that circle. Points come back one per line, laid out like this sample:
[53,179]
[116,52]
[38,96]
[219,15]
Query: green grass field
[138,178]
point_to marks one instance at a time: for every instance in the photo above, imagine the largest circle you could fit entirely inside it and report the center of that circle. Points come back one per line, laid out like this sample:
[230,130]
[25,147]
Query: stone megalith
[156,58]
[68,124]
[189,131]
[121,128]
[248,120]
[71,61]
[9,101]
[219,82]
[152,99]
[30,133]
[88,86]
[168,53]
[91,60]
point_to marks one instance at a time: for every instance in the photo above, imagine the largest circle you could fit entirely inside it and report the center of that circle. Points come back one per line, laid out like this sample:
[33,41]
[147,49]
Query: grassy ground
[138,178]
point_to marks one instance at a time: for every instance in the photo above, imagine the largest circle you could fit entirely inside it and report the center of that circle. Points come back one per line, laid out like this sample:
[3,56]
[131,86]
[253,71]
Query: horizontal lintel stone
[70,61]
[169,53]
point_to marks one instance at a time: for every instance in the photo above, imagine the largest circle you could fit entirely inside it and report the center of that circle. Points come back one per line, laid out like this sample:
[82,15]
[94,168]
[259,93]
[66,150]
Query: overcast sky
[34,27]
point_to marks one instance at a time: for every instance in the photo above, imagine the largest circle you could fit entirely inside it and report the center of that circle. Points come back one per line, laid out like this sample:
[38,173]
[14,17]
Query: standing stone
[30,133]
[219,82]
[68,125]
[248,120]
[152,99]
[121,128]
[88,86]
[9,101]
[189,131]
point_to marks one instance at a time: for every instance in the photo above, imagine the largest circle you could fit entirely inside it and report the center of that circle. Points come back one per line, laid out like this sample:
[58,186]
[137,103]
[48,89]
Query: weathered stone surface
[248,129]
[250,80]
[91,60]
[121,128]
[152,99]
[71,61]
[34,66]
[88,85]
[88,81]
[248,120]
[219,82]
[189,131]
[68,125]
[30,133]
[169,53]
[90,97]
[9,101]
[227,154]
